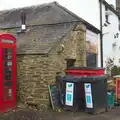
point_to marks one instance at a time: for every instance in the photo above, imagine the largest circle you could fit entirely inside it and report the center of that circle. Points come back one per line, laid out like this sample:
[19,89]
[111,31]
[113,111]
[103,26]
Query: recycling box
[72,93]
[95,94]
[85,93]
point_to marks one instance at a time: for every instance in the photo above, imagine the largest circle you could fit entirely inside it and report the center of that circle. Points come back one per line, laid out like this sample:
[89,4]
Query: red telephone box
[7,72]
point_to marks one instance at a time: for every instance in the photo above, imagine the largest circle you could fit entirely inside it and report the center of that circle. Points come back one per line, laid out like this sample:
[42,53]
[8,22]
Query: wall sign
[69,94]
[88,95]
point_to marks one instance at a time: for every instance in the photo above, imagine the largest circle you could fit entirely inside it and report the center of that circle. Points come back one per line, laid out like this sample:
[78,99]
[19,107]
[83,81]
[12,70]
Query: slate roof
[41,39]
[50,13]
[35,15]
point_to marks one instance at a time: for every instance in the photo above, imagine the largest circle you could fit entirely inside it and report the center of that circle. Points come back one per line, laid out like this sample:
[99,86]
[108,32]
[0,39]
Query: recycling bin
[95,94]
[111,99]
[85,93]
[73,95]
[85,71]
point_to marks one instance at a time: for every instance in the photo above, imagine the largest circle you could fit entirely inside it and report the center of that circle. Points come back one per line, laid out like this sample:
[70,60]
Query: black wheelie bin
[95,88]
[73,93]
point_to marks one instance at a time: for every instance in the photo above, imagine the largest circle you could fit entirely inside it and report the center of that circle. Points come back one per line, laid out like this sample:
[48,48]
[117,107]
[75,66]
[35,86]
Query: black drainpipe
[101,34]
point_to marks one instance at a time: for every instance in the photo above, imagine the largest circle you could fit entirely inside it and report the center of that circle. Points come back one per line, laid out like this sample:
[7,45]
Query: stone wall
[34,74]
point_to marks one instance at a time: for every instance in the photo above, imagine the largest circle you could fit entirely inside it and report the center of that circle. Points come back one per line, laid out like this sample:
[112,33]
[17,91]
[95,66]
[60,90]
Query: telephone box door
[8,74]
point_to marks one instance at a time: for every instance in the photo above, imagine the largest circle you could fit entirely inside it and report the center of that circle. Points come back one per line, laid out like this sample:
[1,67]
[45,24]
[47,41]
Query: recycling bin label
[88,95]
[69,94]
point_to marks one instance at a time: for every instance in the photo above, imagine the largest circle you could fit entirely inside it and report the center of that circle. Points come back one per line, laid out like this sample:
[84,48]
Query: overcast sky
[87,9]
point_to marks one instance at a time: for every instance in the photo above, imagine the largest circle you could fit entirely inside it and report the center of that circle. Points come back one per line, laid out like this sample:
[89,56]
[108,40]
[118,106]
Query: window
[70,62]
[91,60]
[106,15]
[106,8]
[106,18]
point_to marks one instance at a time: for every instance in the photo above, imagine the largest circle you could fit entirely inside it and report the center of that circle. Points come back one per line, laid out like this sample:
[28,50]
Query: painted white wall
[108,38]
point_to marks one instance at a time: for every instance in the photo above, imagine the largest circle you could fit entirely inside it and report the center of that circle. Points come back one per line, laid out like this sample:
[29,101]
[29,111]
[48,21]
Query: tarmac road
[27,114]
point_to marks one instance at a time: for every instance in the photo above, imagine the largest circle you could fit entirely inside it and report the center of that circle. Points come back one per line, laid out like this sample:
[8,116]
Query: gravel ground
[28,114]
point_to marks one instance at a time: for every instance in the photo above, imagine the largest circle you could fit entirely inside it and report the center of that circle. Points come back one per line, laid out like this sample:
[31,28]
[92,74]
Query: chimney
[23,21]
[118,5]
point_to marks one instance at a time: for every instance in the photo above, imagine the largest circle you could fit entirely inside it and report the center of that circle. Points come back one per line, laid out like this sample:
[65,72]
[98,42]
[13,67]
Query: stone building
[53,40]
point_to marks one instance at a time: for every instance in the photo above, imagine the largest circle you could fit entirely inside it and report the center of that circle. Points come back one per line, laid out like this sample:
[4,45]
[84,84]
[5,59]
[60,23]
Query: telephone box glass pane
[8,77]
[9,83]
[8,63]
[8,94]
[8,57]
[8,70]
[8,73]
[7,51]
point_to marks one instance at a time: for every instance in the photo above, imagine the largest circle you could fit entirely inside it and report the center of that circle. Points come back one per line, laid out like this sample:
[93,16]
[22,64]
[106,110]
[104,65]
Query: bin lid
[74,79]
[86,79]
[86,68]
[93,79]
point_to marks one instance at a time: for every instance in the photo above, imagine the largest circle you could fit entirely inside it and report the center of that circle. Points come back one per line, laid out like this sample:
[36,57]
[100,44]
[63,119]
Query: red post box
[7,72]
